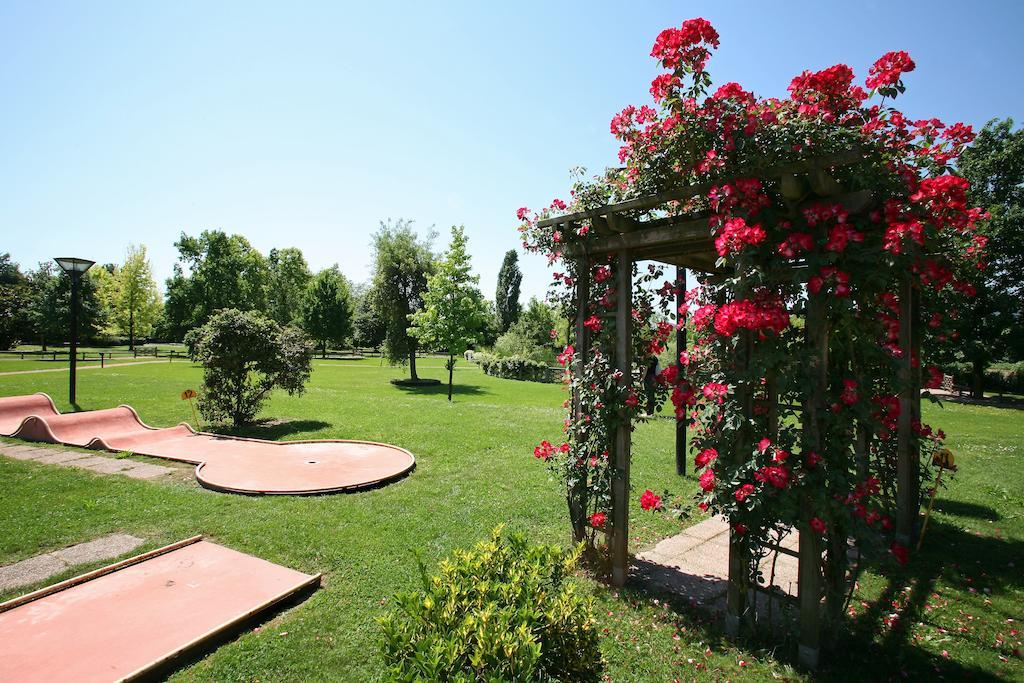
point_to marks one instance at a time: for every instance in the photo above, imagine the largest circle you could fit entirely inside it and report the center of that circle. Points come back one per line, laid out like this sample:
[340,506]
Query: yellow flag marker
[944,460]
[188,395]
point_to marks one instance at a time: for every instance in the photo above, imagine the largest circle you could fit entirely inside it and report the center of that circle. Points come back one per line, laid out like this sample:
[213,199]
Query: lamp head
[73,266]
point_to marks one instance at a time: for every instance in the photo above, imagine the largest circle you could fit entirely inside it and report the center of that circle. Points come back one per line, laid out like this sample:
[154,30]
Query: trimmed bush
[517,367]
[503,611]
[999,377]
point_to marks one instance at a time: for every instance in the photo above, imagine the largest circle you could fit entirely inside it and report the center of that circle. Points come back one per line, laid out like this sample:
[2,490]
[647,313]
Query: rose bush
[827,251]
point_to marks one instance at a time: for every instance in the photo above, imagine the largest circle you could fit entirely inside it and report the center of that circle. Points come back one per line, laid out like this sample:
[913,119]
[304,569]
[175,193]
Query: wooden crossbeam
[683,193]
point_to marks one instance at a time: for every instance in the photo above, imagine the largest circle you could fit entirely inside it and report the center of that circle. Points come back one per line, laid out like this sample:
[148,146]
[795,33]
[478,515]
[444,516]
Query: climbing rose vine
[830,247]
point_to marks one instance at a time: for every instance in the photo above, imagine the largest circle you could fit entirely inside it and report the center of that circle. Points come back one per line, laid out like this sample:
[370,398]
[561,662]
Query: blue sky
[304,124]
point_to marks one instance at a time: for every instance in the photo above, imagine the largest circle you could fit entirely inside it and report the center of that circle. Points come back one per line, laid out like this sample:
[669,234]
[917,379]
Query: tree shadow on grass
[962,509]
[270,429]
[865,656]
[442,389]
[865,649]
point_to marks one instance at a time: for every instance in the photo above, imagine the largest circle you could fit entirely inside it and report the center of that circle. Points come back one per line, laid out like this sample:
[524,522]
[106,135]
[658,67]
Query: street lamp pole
[74,267]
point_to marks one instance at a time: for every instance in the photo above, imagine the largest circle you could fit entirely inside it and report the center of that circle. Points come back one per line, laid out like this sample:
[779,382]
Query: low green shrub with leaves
[504,610]
[516,367]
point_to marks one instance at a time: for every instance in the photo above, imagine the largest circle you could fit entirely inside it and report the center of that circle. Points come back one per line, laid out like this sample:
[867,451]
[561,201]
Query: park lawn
[475,470]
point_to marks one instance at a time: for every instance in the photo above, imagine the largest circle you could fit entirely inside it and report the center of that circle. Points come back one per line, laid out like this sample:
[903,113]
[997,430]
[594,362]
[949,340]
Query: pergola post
[623,430]
[577,494]
[907,455]
[680,348]
[739,553]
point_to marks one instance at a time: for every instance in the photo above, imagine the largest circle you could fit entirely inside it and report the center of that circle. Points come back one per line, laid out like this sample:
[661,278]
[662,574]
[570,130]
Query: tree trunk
[978,379]
[412,361]
[42,342]
[451,372]
[323,349]
[131,330]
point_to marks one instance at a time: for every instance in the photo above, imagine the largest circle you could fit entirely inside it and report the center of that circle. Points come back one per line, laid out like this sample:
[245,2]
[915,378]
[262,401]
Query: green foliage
[536,323]
[214,271]
[402,263]
[289,281]
[453,308]
[14,303]
[503,611]
[49,312]
[368,327]
[517,367]
[516,344]
[991,325]
[506,299]
[327,308]
[246,355]
[136,304]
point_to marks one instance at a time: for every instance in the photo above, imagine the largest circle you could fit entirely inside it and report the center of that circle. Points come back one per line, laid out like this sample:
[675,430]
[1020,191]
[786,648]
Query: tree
[536,323]
[402,263]
[289,282]
[991,326]
[214,271]
[327,308]
[14,303]
[453,307]
[506,299]
[137,305]
[49,311]
[245,356]
[368,326]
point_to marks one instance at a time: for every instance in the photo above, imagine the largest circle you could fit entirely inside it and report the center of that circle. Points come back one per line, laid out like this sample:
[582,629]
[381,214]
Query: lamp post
[74,267]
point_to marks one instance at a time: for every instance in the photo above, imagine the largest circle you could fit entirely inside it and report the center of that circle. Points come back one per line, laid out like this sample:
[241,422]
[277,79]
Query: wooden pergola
[647,229]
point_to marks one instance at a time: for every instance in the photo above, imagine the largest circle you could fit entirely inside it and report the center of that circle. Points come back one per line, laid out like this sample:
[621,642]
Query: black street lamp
[74,267]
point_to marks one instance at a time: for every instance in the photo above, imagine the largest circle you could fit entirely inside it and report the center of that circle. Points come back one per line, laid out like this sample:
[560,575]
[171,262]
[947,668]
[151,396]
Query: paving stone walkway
[86,461]
[695,565]
[44,566]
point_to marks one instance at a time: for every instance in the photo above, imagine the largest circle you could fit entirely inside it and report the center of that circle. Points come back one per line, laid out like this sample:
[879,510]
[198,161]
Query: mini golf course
[129,619]
[223,463]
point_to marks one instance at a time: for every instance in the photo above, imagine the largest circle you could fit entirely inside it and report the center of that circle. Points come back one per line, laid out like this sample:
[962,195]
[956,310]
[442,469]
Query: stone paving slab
[41,567]
[60,457]
[108,466]
[87,461]
[145,470]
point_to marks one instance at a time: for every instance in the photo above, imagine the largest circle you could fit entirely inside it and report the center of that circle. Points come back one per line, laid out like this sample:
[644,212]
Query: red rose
[707,480]
[743,492]
[598,519]
[705,457]
[899,552]
[818,525]
[650,501]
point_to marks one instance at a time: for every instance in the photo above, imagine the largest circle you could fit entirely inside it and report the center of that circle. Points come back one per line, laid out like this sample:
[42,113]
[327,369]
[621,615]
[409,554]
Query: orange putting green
[131,619]
[223,463]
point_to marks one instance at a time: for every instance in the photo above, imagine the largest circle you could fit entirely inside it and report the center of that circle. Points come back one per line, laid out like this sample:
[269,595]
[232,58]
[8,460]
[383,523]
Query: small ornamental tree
[327,309]
[792,386]
[453,308]
[245,356]
[137,305]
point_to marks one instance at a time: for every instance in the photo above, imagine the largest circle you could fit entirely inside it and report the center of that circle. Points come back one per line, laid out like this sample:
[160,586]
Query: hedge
[517,367]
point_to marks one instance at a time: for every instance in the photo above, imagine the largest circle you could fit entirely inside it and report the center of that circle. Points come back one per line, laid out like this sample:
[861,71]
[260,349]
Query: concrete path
[44,566]
[82,367]
[85,461]
[695,564]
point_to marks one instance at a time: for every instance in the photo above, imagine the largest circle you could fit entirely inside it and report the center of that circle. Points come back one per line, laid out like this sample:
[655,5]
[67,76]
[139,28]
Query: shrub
[513,343]
[246,355]
[999,377]
[502,611]
[517,367]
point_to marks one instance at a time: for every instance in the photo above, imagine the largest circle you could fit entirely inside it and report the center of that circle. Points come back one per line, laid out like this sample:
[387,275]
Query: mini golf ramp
[136,617]
[224,463]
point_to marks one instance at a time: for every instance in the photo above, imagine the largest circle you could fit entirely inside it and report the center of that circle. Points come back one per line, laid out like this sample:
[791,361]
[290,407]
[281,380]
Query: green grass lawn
[475,470]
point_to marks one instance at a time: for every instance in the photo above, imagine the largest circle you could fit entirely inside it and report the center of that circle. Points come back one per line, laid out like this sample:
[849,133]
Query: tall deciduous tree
[215,271]
[14,303]
[289,281]
[991,327]
[137,305]
[506,299]
[402,263]
[49,310]
[453,307]
[368,327]
[327,308]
